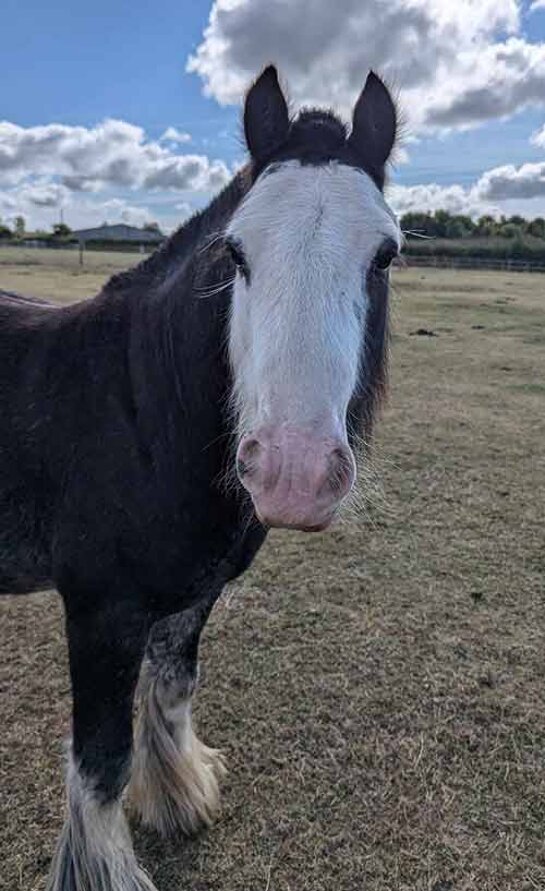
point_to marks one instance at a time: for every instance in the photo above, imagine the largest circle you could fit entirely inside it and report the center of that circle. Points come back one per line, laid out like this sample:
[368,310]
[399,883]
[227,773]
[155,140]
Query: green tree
[441,219]
[536,227]
[19,226]
[456,228]
[61,230]
[443,224]
[486,225]
[510,230]
[518,221]
[416,221]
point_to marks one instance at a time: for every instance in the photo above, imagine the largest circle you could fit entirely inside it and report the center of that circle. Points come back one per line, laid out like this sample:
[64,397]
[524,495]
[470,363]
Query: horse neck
[178,358]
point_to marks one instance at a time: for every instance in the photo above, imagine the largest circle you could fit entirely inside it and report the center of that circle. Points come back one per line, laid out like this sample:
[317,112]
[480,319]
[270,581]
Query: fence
[462,262]
[125,247]
[435,260]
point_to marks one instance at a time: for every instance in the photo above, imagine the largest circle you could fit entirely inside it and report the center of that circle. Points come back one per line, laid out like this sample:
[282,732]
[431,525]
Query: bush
[443,224]
[496,248]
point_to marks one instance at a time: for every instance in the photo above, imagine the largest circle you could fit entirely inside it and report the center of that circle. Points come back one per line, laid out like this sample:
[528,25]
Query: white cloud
[171,134]
[114,153]
[116,209]
[538,138]
[43,194]
[457,62]
[508,182]
[400,156]
[501,80]
[40,202]
[184,207]
[185,172]
[431,197]
[507,189]
[537,4]
[44,168]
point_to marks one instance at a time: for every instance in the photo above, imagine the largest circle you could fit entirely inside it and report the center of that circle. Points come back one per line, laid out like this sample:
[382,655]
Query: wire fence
[463,262]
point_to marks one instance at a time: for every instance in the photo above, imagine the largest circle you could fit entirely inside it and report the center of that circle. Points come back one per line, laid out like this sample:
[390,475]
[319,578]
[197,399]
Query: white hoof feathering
[174,785]
[94,851]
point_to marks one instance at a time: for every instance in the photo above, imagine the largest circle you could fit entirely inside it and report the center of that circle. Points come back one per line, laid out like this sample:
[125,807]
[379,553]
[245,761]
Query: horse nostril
[341,469]
[247,454]
[250,448]
[242,467]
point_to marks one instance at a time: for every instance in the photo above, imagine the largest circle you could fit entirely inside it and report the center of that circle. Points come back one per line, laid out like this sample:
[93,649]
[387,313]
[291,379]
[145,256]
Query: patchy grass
[380,689]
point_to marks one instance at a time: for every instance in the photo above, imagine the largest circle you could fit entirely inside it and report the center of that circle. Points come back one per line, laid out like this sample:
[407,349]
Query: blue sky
[471,76]
[77,64]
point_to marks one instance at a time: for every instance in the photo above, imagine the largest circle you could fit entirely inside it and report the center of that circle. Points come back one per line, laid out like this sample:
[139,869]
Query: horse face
[307,241]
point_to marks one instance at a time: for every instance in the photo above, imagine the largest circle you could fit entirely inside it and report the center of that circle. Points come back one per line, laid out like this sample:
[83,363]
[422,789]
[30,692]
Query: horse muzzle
[297,478]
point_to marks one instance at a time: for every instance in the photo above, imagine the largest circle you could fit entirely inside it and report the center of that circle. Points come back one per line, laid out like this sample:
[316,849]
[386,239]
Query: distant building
[119,232]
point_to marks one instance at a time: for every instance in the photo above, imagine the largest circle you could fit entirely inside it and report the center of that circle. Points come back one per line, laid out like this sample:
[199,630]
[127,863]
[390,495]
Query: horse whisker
[211,292]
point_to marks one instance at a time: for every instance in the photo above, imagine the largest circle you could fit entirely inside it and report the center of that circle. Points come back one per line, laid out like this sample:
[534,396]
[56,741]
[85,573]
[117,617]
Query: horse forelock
[316,136]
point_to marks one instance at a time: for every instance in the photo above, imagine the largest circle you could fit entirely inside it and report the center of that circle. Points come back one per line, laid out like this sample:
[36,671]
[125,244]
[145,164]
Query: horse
[152,434]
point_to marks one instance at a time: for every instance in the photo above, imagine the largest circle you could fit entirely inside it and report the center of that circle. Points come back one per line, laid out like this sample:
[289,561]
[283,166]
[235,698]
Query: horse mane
[316,131]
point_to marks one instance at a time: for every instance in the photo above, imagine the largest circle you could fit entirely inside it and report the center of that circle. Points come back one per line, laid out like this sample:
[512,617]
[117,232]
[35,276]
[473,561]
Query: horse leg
[175,778]
[94,853]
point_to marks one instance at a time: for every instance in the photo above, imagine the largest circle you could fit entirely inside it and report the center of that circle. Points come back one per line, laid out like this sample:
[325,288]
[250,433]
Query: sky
[130,112]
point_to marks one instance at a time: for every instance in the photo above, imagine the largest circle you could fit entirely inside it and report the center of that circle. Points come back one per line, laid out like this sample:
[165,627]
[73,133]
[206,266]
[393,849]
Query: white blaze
[309,234]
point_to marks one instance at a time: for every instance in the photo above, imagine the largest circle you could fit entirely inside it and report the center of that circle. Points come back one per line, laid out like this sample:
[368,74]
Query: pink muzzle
[297,478]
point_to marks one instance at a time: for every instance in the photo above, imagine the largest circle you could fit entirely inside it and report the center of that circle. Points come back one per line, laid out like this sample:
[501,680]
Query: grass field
[379,690]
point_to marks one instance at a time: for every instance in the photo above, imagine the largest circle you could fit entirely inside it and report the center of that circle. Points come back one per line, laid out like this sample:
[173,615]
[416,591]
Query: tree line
[443,224]
[59,232]
[519,233]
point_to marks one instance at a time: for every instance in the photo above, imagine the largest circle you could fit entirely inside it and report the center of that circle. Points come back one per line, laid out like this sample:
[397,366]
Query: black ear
[266,117]
[374,125]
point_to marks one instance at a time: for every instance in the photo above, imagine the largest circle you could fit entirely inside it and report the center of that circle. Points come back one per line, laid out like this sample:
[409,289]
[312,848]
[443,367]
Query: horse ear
[374,124]
[266,116]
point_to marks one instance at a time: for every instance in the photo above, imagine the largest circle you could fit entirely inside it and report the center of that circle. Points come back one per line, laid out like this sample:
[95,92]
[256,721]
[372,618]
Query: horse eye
[387,252]
[238,258]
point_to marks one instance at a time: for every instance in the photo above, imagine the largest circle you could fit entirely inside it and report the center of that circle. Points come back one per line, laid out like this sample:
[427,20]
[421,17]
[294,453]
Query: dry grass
[379,690]
[56,274]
